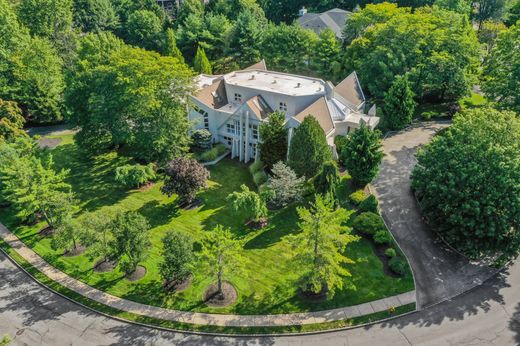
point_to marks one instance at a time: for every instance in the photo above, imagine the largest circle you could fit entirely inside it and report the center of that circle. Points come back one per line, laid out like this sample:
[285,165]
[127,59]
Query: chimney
[303,11]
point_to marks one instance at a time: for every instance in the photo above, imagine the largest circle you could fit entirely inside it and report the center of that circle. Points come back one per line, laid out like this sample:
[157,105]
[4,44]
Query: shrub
[213,153]
[135,176]
[382,237]
[368,223]
[357,197]
[429,114]
[397,265]
[201,139]
[369,204]
[260,178]
[390,252]
[340,142]
[256,166]
[286,185]
[184,177]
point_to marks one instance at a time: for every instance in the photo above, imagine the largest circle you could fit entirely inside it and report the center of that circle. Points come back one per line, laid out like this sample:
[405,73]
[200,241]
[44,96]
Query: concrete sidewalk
[195,317]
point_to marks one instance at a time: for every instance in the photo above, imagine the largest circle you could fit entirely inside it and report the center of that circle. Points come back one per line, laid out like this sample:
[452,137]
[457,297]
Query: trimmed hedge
[213,153]
[357,197]
[260,178]
[368,223]
[382,237]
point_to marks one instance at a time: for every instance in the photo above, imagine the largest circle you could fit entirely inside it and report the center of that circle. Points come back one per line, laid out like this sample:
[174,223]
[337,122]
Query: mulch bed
[178,286]
[103,266]
[190,206]
[138,274]
[314,297]
[75,252]
[379,250]
[227,297]
[46,231]
[146,186]
[49,143]
[256,225]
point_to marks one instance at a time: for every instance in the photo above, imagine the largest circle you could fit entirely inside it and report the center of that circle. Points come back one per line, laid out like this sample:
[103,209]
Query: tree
[362,155]
[488,34]
[178,258]
[134,176]
[95,15]
[46,18]
[11,121]
[98,236]
[170,46]
[320,246]
[35,79]
[513,15]
[246,37]
[221,253]
[309,149]
[502,71]
[131,240]
[201,63]
[144,29]
[248,202]
[187,8]
[460,6]
[68,235]
[184,177]
[437,47]
[467,182]
[489,9]
[399,104]
[327,54]
[327,180]
[285,184]
[146,110]
[273,135]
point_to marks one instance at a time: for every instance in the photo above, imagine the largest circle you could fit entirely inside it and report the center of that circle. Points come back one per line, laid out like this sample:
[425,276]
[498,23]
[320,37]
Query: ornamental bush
[357,197]
[184,177]
[134,176]
[382,237]
[390,252]
[368,223]
[201,139]
[260,178]
[467,182]
[369,204]
[397,265]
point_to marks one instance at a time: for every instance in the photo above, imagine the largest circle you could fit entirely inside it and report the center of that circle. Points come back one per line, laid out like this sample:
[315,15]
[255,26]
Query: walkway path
[200,318]
[439,272]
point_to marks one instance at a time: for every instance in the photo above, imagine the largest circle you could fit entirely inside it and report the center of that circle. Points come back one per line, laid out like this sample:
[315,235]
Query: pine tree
[327,180]
[362,155]
[170,46]
[399,104]
[273,133]
[201,63]
[309,149]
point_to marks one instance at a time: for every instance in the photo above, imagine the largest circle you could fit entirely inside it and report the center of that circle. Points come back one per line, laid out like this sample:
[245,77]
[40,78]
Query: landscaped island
[267,281]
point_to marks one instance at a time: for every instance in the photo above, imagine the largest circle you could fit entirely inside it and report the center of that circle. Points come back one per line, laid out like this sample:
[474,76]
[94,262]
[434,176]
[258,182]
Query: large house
[334,20]
[232,106]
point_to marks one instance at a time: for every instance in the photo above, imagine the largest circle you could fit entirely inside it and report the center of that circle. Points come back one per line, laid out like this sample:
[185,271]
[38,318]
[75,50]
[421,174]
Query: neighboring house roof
[320,110]
[334,20]
[259,107]
[350,90]
[213,95]
[261,65]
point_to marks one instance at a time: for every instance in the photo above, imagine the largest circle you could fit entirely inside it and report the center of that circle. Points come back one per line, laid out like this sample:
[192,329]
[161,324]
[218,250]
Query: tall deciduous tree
[502,71]
[187,8]
[309,149]
[46,18]
[144,29]
[221,254]
[273,135]
[69,235]
[249,202]
[11,121]
[467,181]
[327,55]
[399,104]
[320,247]
[362,155]
[131,240]
[201,63]
[184,177]
[178,258]
[95,15]
[489,9]
[99,236]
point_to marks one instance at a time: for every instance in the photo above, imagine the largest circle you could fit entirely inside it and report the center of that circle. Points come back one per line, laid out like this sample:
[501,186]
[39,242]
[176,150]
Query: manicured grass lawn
[266,282]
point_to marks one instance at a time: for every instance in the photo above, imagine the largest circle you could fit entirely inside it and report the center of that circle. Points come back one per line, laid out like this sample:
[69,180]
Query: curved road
[486,315]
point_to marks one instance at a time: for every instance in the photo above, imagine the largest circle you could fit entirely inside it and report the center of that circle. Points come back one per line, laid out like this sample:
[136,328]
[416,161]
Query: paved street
[439,272]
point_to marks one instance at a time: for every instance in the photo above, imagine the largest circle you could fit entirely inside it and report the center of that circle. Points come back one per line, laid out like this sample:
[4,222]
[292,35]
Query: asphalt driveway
[439,272]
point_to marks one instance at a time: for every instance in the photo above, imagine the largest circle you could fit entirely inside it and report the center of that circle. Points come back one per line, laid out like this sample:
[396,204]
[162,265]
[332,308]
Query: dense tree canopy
[502,71]
[399,104]
[95,15]
[273,133]
[467,181]
[246,38]
[46,18]
[11,121]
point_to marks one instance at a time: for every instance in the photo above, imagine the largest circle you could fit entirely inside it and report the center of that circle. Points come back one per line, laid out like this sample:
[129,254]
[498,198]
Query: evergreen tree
[201,63]
[362,155]
[327,180]
[246,38]
[249,202]
[170,45]
[320,247]
[273,134]
[309,149]
[399,104]
[285,185]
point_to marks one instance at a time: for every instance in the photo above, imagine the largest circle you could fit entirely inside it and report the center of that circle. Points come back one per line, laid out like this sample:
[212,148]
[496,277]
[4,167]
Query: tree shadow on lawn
[150,293]
[159,214]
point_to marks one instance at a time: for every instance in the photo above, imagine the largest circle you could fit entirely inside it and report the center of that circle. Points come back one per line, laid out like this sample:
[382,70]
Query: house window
[238,97]
[253,149]
[205,117]
[254,130]
[230,128]
[228,140]
[283,107]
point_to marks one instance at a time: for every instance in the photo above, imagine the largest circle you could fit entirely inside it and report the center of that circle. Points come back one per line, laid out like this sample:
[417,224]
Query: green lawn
[266,284]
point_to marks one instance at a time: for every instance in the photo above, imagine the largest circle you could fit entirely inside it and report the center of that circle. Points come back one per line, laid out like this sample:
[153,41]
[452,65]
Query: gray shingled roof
[334,19]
